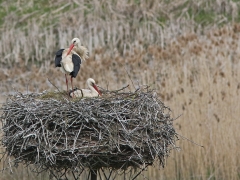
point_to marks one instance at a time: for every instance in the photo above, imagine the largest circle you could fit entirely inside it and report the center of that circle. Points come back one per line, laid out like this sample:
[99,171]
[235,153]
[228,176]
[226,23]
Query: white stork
[93,91]
[69,60]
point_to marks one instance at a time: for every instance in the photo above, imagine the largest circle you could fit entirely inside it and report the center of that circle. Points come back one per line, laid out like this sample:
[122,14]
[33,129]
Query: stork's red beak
[70,48]
[95,87]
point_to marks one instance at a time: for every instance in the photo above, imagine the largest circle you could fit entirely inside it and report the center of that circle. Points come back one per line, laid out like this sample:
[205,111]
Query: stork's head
[75,42]
[91,82]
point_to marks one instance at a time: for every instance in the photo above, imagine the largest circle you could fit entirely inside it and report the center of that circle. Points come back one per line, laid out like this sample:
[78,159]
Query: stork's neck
[77,50]
[93,91]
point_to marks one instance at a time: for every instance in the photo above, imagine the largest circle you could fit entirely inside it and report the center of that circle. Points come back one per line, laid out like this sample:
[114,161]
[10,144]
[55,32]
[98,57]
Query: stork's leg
[72,85]
[66,82]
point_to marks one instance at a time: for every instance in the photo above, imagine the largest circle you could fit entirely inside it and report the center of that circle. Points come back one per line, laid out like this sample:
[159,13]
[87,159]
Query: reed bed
[118,27]
[202,86]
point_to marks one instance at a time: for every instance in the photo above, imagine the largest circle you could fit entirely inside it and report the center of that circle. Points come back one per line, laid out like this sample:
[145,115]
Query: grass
[186,51]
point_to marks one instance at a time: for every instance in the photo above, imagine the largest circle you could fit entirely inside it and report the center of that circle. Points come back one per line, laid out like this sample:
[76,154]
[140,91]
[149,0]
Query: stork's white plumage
[69,60]
[93,91]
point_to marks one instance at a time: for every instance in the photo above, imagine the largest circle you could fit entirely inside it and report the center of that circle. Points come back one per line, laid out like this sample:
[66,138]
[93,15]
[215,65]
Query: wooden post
[93,174]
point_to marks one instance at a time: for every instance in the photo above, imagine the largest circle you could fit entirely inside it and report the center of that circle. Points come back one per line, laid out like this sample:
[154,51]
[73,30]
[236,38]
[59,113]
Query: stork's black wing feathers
[58,58]
[76,65]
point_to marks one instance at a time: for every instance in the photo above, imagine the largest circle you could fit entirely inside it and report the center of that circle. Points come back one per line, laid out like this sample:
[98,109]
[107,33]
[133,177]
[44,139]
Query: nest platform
[117,130]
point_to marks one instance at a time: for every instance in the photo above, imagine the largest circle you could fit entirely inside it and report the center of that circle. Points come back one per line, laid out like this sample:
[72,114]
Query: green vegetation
[43,12]
[47,12]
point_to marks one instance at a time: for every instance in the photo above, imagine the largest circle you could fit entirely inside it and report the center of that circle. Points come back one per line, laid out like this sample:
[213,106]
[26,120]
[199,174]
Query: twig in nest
[57,88]
[113,91]
[129,77]
[190,140]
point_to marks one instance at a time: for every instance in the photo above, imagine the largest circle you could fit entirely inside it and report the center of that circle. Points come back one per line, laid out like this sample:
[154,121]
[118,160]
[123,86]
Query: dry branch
[118,130]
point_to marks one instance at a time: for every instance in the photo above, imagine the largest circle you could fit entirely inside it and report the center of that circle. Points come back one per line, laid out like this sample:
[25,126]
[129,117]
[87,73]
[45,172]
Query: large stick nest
[118,130]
